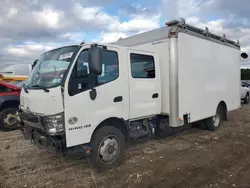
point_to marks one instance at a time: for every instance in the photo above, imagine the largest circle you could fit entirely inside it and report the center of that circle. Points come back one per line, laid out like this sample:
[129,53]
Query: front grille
[32,119]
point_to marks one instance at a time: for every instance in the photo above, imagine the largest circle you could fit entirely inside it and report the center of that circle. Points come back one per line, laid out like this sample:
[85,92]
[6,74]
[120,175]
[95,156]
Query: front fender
[8,98]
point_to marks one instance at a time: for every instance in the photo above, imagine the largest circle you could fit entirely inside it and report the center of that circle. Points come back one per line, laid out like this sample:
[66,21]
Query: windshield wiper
[25,88]
[40,87]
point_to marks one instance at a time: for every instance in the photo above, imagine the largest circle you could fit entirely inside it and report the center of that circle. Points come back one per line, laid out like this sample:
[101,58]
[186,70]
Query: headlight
[55,123]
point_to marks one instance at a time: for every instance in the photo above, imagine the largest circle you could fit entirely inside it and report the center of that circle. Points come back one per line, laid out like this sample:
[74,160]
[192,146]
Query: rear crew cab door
[145,88]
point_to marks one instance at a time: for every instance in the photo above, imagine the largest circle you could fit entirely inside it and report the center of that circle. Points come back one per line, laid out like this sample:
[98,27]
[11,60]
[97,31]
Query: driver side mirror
[95,60]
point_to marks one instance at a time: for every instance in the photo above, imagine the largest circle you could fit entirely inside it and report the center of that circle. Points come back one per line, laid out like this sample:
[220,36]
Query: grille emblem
[73,120]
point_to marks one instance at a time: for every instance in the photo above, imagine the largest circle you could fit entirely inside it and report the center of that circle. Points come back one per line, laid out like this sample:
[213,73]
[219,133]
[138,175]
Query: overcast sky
[30,27]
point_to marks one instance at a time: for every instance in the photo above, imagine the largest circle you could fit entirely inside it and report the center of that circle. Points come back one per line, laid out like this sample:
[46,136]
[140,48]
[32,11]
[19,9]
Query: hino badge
[97,97]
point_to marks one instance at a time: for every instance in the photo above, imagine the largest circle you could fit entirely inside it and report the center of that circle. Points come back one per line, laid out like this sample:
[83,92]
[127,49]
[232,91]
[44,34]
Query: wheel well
[223,107]
[8,104]
[117,123]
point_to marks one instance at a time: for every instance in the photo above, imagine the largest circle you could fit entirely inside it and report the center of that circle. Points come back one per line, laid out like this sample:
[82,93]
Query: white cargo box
[199,70]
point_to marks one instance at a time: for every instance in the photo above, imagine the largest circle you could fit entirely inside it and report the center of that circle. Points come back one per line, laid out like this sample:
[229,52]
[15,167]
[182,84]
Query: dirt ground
[193,158]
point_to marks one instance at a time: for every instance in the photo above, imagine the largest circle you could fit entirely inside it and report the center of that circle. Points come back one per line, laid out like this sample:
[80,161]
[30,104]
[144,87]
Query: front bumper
[33,129]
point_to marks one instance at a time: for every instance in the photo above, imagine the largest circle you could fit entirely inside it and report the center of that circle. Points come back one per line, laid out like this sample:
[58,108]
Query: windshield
[20,84]
[51,67]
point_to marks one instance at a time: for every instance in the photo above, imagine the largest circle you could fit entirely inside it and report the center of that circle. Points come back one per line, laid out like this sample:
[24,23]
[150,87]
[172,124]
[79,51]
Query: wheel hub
[10,120]
[216,120]
[108,149]
[111,149]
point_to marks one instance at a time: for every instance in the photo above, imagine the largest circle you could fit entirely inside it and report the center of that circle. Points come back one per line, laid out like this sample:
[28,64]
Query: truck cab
[86,95]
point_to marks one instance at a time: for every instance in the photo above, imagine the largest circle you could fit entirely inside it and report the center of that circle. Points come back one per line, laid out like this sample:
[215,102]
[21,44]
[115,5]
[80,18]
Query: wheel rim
[247,98]
[10,121]
[216,120]
[108,149]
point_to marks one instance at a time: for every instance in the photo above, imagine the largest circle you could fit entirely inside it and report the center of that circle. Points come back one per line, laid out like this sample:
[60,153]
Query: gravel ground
[193,158]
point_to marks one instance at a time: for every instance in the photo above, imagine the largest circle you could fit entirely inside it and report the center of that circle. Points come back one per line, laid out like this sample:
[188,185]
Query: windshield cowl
[40,87]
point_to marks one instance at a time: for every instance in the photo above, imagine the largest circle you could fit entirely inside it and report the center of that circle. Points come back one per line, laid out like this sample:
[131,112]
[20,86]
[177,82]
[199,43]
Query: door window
[81,79]
[142,66]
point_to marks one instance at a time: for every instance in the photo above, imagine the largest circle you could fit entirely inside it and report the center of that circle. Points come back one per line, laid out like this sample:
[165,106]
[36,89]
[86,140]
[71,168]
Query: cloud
[49,17]
[133,10]
[137,24]
[107,37]
[184,8]
[30,27]
[24,53]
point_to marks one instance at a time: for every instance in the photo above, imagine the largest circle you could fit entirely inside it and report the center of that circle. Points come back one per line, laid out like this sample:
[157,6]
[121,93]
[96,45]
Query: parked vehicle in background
[9,102]
[97,97]
[244,92]
[12,79]
[21,84]
[245,84]
[15,74]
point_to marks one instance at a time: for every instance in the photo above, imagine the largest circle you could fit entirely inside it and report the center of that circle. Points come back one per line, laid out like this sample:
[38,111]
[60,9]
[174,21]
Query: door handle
[118,99]
[155,95]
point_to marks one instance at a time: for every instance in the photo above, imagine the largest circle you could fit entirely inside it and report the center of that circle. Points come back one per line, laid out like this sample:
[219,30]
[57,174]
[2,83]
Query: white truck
[244,92]
[97,97]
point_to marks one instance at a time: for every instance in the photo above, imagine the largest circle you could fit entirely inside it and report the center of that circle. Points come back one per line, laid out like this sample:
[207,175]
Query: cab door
[145,88]
[82,114]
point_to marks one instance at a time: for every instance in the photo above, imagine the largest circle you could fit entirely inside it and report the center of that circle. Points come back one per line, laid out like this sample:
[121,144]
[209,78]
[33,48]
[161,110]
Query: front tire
[8,119]
[108,147]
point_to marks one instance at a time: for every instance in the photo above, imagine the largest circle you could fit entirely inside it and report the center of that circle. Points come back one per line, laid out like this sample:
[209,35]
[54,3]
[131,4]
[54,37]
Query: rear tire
[246,99]
[8,119]
[213,123]
[108,147]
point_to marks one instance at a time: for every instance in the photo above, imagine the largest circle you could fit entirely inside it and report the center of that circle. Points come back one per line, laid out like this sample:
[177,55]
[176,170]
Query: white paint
[41,102]
[161,49]
[142,89]
[208,73]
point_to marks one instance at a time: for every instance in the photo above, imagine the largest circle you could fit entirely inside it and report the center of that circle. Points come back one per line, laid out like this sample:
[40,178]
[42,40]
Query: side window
[81,79]
[142,66]
[110,67]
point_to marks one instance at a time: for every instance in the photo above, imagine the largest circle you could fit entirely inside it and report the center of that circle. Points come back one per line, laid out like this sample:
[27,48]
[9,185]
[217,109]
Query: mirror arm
[92,92]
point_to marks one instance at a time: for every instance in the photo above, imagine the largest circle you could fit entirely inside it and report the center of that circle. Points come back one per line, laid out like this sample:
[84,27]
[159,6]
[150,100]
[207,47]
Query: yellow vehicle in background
[12,79]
